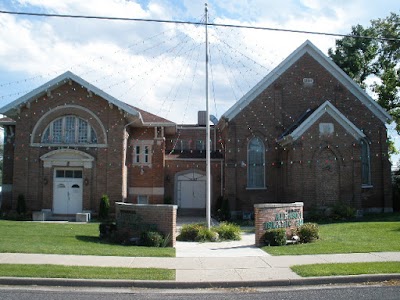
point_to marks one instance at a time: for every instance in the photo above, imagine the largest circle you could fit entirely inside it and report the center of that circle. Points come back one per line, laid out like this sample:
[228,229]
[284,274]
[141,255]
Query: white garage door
[191,190]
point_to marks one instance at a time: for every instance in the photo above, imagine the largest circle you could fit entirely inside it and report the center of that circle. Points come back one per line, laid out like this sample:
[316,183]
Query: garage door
[191,190]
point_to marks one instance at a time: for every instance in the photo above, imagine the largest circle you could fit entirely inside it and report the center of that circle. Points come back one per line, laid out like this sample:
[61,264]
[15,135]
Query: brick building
[306,133]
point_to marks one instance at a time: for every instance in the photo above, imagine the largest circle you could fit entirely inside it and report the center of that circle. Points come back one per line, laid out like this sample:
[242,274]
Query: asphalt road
[371,292]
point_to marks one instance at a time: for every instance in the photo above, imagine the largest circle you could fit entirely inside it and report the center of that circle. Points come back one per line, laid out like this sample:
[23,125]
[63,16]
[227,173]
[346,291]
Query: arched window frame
[255,164]
[69,129]
[365,163]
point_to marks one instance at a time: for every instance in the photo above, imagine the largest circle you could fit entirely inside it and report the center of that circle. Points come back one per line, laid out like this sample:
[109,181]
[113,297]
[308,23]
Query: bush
[342,211]
[152,239]
[21,205]
[107,230]
[189,232]
[228,231]
[204,235]
[308,232]
[104,207]
[275,237]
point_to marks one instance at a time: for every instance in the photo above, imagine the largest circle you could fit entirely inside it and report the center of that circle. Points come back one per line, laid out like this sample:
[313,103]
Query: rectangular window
[82,131]
[142,153]
[70,130]
[57,132]
[142,199]
[137,154]
[146,154]
[200,145]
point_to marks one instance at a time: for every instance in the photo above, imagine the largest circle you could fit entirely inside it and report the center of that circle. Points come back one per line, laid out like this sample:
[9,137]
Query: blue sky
[160,67]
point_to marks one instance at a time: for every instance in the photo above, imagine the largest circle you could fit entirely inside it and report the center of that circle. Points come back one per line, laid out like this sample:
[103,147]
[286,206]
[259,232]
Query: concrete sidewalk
[229,262]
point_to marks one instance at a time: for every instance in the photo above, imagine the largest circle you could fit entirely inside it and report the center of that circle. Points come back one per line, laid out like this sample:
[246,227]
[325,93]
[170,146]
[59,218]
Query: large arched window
[365,163]
[256,164]
[69,130]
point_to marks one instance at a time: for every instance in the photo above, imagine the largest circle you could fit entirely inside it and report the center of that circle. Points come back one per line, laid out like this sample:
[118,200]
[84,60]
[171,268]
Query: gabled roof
[327,63]
[150,119]
[325,108]
[11,109]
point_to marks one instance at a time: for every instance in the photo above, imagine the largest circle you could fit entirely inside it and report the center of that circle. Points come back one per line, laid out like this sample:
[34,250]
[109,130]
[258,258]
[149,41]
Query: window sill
[69,145]
[367,186]
[256,188]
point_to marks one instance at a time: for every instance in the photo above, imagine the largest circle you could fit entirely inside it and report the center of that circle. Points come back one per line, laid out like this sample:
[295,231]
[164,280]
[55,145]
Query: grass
[317,270]
[66,238]
[55,271]
[379,233]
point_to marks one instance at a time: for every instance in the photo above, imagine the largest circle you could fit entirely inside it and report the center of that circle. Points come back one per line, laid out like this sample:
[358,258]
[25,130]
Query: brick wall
[36,182]
[291,170]
[163,216]
[272,216]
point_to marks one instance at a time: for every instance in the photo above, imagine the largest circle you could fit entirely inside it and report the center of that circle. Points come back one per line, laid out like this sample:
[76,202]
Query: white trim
[327,63]
[10,108]
[69,107]
[67,158]
[328,108]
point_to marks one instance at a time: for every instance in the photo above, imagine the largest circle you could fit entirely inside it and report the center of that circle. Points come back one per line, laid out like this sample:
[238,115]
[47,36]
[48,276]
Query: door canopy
[67,158]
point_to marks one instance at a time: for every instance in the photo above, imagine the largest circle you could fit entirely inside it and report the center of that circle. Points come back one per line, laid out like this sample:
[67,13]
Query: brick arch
[327,177]
[64,110]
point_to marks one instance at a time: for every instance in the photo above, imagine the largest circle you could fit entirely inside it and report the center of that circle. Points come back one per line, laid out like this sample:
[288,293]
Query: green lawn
[66,238]
[317,270]
[373,234]
[55,271]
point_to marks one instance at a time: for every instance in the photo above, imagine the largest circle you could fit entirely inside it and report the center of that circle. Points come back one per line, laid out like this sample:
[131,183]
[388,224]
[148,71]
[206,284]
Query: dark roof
[151,118]
[6,121]
[296,124]
[192,154]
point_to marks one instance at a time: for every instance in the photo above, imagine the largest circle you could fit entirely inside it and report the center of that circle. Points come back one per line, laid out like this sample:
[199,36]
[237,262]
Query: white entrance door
[191,190]
[67,195]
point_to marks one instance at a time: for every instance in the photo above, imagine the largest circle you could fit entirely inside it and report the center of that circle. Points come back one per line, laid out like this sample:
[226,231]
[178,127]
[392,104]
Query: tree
[374,53]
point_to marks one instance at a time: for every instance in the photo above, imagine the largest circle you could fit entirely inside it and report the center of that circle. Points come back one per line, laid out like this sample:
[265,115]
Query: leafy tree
[374,52]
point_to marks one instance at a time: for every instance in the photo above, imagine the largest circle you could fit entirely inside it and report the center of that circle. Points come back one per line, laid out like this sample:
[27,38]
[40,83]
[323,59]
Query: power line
[197,23]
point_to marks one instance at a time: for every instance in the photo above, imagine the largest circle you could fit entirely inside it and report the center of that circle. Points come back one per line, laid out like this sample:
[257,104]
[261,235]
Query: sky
[160,67]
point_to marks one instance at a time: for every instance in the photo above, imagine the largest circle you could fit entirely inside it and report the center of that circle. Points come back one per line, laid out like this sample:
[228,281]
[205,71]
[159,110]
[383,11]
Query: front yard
[375,233]
[66,238]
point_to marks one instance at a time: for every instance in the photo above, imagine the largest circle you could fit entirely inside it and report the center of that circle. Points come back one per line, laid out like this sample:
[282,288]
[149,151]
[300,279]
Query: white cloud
[160,67]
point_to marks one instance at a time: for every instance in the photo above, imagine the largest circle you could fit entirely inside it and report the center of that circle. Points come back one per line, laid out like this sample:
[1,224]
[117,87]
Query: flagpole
[208,150]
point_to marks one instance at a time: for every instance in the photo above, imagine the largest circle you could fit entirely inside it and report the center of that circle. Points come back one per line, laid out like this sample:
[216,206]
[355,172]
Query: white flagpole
[208,150]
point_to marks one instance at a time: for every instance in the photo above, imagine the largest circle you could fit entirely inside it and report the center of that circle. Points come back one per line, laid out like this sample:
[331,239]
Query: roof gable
[11,109]
[327,63]
[325,108]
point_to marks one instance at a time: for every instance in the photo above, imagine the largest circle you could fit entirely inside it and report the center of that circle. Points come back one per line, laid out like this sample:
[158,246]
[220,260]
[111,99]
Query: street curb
[16,281]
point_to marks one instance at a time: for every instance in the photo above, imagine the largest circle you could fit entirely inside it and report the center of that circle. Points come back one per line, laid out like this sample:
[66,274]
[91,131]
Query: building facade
[305,133]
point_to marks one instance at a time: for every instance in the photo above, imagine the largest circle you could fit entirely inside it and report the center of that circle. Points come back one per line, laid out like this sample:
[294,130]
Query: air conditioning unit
[202,118]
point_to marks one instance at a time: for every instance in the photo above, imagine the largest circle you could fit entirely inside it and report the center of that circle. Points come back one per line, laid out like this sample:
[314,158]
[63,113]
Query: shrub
[152,239]
[104,207]
[21,205]
[228,231]
[189,232]
[223,210]
[342,211]
[308,232]
[275,237]
[107,230]
[204,234]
